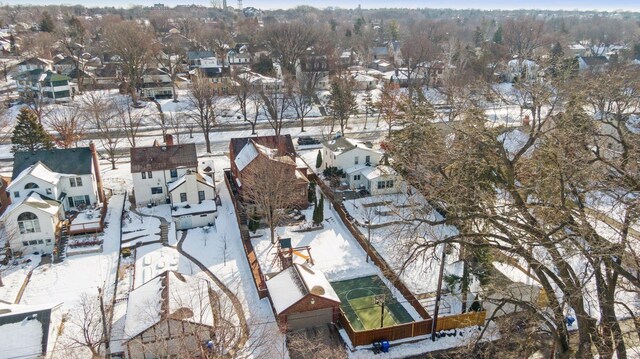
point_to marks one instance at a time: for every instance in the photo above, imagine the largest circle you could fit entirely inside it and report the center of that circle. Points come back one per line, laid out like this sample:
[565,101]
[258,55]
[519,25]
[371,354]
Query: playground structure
[286,252]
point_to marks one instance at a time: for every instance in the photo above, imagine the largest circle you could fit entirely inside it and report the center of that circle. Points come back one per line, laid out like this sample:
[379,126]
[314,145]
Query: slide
[305,257]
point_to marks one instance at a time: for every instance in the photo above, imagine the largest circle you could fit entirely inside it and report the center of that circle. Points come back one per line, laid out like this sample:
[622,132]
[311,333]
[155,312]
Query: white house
[156,83]
[47,185]
[344,153]
[35,63]
[522,70]
[193,200]
[51,86]
[154,167]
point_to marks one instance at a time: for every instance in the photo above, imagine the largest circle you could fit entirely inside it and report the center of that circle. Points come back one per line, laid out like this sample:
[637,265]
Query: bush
[319,160]
[254,222]
[311,192]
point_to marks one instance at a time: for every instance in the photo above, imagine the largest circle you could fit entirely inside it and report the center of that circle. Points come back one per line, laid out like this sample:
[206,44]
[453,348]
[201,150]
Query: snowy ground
[67,281]
[334,251]
[14,275]
[220,249]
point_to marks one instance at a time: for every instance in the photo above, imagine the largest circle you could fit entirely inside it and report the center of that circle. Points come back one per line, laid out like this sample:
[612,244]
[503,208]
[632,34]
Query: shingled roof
[163,157]
[70,160]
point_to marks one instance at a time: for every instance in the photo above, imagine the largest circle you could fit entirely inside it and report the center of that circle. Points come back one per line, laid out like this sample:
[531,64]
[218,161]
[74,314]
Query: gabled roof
[169,295]
[194,55]
[282,143]
[36,201]
[296,282]
[163,157]
[206,180]
[595,60]
[24,329]
[35,61]
[38,170]
[252,150]
[69,160]
[342,144]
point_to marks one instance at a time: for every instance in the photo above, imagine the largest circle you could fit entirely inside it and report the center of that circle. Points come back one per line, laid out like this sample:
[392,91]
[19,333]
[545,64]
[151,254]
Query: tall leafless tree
[69,123]
[203,107]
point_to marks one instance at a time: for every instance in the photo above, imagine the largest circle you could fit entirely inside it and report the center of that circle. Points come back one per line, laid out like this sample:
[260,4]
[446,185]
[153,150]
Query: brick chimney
[168,140]
[96,167]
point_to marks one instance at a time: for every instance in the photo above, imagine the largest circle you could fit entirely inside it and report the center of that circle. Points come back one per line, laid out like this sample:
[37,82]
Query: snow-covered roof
[27,330]
[38,170]
[206,206]
[169,295]
[380,171]
[171,186]
[356,168]
[294,283]
[633,124]
[246,155]
[36,201]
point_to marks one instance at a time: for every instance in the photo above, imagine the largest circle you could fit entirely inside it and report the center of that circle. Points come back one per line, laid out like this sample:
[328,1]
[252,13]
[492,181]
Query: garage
[314,318]
[302,297]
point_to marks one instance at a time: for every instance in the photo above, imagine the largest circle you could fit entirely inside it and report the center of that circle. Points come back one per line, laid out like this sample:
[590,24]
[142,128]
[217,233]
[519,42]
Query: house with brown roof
[153,168]
[249,152]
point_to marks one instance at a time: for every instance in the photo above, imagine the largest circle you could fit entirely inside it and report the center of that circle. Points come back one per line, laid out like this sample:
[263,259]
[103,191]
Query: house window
[31,185]
[79,201]
[356,160]
[156,190]
[16,194]
[389,184]
[356,177]
[183,197]
[149,174]
[33,243]
[173,173]
[201,196]
[75,181]
[380,184]
[25,243]
[367,160]
[28,223]
[49,191]
[144,175]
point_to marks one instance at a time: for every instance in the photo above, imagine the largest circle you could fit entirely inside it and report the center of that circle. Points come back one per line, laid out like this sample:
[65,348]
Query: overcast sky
[632,5]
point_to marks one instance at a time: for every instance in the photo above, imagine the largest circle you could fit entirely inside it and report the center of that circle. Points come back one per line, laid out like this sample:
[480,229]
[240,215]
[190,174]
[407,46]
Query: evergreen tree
[320,216]
[497,36]
[46,23]
[29,135]
[314,216]
[311,192]
[319,159]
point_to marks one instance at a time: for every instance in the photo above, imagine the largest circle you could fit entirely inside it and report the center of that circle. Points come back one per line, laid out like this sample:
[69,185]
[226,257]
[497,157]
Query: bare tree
[85,326]
[275,102]
[69,123]
[523,35]
[243,91]
[389,105]
[287,42]
[302,93]
[267,184]
[134,46]
[301,345]
[103,115]
[130,119]
[172,56]
[203,107]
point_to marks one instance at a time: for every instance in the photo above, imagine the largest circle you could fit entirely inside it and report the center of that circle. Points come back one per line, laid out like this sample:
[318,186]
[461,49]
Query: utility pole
[438,294]
[105,340]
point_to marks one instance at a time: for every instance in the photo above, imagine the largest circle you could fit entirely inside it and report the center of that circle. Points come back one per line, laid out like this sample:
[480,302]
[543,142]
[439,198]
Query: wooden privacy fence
[252,259]
[410,330]
[375,256]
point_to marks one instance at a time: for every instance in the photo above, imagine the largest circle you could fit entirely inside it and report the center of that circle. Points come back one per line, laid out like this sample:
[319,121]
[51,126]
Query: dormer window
[31,185]
[75,181]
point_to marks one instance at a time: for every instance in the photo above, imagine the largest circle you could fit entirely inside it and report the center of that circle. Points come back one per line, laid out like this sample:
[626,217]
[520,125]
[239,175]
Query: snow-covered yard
[333,249]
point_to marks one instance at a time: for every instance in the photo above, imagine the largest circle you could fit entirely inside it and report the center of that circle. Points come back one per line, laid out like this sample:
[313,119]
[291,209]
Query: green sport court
[358,303]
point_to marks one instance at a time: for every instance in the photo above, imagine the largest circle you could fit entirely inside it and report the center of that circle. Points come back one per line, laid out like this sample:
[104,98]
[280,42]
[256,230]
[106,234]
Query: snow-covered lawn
[13,276]
[333,249]
[220,249]
[64,282]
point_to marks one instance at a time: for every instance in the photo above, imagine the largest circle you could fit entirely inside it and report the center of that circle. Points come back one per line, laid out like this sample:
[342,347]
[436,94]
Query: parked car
[306,140]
